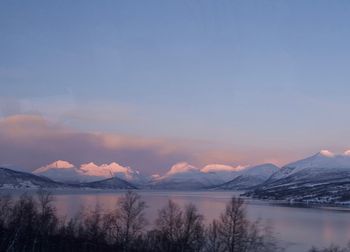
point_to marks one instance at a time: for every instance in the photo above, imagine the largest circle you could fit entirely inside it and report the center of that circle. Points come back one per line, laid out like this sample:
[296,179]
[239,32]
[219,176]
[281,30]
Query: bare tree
[47,212]
[177,229]
[233,226]
[46,219]
[234,233]
[192,235]
[5,209]
[93,226]
[45,198]
[22,224]
[168,227]
[129,219]
[32,225]
[213,239]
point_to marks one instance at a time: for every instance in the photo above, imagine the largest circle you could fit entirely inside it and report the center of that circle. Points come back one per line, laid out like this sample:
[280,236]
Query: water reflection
[298,228]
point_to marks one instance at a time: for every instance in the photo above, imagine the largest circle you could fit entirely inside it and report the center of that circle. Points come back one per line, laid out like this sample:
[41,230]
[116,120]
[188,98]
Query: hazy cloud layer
[30,141]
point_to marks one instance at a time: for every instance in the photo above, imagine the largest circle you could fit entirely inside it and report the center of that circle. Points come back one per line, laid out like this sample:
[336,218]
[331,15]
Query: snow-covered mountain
[250,177]
[61,171]
[323,177]
[183,176]
[111,170]
[64,171]
[318,164]
[10,179]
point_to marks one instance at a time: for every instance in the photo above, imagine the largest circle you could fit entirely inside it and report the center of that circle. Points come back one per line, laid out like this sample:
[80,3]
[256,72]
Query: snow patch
[221,168]
[104,170]
[181,168]
[327,153]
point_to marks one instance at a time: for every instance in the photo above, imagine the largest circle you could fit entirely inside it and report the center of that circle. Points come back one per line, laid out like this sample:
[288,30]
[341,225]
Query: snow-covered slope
[250,177]
[64,171]
[10,179]
[183,176]
[61,171]
[322,177]
[324,161]
[111,170]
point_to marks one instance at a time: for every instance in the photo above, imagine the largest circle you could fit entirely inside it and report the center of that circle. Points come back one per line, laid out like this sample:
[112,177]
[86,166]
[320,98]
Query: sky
[151,83]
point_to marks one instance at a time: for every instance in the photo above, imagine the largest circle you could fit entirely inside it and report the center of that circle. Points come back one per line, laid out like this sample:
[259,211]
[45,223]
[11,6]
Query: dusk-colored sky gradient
[238,82]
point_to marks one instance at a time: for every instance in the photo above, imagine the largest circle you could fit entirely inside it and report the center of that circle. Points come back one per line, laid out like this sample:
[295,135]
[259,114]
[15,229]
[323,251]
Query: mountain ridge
[250,177]
[11,179]
[323,177]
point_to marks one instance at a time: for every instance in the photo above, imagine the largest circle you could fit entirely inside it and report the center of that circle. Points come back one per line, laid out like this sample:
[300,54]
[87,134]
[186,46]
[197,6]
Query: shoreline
[338,206]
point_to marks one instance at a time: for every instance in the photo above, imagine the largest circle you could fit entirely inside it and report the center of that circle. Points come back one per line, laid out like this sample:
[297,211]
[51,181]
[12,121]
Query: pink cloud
[30,141]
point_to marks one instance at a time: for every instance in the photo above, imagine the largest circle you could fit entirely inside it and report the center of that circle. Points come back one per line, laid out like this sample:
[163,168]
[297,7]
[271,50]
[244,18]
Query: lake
[296,228]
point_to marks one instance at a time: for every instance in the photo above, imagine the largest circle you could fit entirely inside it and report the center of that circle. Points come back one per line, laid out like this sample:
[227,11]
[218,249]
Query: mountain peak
[59,164]
[91,164]
[108,170]
[326,153]
[181,167]
[346,153]
[329,154]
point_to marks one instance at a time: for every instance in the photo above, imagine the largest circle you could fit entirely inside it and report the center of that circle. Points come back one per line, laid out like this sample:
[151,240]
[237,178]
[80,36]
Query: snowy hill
[319,163]
[183,176]
[250,177]
[64,171]
[61,171]
[323,177]
[10,179]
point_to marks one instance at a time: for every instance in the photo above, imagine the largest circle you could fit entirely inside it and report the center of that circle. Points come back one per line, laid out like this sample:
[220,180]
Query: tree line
[30,223]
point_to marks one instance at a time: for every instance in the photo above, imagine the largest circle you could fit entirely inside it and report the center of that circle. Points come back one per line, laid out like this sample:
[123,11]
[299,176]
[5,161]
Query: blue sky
[253,76]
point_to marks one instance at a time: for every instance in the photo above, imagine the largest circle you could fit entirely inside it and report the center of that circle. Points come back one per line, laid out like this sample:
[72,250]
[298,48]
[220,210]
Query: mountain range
[250,177]
[181,176]
[10,179]
[323,177]
[64,171]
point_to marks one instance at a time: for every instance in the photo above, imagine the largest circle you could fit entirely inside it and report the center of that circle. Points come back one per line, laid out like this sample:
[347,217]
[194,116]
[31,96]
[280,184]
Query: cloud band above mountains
[30,141]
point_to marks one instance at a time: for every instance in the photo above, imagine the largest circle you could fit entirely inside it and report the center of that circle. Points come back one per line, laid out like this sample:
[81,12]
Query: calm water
[296,228]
